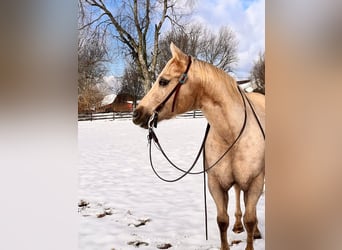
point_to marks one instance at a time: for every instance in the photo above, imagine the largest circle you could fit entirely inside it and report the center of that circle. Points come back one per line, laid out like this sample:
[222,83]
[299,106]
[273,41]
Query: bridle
[154,117]
[152,123]
[152,136]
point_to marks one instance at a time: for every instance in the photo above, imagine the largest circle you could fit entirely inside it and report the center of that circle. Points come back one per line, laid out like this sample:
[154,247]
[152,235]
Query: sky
[245,17]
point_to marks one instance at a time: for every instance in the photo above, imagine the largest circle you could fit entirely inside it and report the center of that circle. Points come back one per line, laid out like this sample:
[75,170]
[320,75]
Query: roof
[108,99]
[246,86]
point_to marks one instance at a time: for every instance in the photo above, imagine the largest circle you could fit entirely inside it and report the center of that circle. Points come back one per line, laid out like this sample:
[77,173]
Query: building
[116,103]
[246,85]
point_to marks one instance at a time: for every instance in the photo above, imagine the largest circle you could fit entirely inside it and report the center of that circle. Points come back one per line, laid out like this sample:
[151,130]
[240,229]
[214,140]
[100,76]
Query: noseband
[154,117]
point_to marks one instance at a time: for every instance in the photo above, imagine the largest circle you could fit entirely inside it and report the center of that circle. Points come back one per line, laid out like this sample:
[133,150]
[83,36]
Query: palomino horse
[215,93]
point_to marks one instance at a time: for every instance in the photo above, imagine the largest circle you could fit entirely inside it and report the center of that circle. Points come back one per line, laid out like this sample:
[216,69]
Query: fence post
[194,115]
[113,115]
[91,116]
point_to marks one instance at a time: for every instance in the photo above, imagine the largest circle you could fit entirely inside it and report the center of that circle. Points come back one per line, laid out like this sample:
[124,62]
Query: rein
[152,136]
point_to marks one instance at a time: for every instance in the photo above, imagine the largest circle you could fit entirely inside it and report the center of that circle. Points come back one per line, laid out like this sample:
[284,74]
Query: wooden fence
[128,115]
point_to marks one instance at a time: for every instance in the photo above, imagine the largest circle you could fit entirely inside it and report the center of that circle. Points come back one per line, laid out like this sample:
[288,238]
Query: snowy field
[123,205]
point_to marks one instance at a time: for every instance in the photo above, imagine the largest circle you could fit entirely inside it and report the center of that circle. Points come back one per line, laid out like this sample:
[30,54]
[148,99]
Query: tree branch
[147,13]
[92,22]
[122,32]
[156,37]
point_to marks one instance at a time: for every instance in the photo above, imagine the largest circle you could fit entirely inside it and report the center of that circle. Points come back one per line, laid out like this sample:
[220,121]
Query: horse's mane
[209,74]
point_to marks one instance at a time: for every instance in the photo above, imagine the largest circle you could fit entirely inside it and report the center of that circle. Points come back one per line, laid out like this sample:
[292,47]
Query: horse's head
[163,95]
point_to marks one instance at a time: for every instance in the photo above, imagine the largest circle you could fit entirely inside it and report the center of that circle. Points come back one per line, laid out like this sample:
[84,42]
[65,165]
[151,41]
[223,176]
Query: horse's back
[258,101]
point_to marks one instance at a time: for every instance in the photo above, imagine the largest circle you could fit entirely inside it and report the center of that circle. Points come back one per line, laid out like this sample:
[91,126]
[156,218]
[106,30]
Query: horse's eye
[163,82]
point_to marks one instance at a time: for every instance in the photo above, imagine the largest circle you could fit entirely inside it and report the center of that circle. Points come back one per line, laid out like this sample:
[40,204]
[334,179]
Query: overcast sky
[245,17]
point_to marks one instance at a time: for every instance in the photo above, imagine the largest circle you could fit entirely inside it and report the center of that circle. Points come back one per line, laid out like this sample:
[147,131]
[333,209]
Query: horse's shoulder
[257,99]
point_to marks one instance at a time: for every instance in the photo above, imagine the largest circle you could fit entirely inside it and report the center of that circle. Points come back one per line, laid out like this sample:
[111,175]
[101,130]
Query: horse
[195,84]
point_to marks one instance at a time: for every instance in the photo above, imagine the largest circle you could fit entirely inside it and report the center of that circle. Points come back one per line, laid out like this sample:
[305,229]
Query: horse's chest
[245,167]
[241,164]
[224,176]
[240,169]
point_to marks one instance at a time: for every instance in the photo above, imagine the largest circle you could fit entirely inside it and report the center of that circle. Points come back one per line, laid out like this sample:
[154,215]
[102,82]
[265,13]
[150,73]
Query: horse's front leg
[251,197]
[220,197]
[238,227]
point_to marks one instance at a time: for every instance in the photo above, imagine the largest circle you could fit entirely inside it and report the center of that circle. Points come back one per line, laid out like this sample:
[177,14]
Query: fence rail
[128,115]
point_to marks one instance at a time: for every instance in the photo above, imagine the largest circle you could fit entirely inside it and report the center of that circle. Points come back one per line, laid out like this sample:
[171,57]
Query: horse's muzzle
[141,118]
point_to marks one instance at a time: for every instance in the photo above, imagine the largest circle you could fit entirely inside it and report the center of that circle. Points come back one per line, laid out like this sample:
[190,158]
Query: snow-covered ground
[125,204]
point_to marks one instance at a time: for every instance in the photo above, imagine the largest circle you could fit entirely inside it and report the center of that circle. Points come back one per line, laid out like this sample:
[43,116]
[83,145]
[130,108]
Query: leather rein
[153,121]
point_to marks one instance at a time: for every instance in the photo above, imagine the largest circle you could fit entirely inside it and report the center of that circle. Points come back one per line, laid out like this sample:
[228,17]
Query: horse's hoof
[257,234]
[238,229]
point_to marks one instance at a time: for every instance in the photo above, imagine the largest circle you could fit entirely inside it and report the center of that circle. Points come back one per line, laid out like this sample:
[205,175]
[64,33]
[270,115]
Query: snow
[129,205]
[108,99]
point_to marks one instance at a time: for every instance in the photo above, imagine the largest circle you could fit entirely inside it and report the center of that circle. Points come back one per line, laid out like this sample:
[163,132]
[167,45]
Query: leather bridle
[154,120]
[154,117]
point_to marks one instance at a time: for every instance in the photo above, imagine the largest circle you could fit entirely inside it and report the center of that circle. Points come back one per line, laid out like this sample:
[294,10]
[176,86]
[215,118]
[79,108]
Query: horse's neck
[222,105]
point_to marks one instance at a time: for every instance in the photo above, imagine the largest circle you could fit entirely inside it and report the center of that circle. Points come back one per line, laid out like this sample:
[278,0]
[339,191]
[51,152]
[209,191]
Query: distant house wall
[105,108]
[122,103]
[123,107]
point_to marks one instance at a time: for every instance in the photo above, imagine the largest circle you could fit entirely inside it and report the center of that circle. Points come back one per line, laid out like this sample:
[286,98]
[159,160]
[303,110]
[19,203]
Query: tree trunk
[131,22]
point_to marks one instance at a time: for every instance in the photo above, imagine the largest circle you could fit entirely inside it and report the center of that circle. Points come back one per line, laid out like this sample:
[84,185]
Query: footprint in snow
[164,246]
[106,211]
[137,243]
[140,222]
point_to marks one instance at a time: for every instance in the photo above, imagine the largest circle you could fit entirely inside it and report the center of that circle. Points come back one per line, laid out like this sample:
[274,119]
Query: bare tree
[186,39]
[220,48]
[131,83]
[89,100]
[136,25]
[258,74]
[92,55]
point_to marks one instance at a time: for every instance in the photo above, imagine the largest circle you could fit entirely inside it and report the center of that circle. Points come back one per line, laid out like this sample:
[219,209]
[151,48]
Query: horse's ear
[177,53]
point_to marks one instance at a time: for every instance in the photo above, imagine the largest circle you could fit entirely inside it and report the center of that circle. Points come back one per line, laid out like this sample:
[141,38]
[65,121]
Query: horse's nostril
[136,114]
